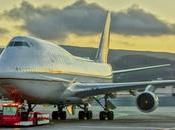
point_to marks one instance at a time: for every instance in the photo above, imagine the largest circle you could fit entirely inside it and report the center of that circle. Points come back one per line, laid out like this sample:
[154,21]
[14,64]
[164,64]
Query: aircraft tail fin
[102,53]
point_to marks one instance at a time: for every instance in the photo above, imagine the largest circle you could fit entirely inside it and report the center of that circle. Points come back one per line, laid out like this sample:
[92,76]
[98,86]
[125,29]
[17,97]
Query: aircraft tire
[62,115]
[102,115]
[110,115]
[35,121]
[55,115]
[81,115]
[89,115]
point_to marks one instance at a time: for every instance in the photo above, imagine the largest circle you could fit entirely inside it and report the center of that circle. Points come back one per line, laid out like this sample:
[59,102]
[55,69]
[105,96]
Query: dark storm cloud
[84,19]
[136,21]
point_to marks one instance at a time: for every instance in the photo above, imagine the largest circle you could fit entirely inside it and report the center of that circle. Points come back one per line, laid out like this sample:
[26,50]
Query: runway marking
[123,127]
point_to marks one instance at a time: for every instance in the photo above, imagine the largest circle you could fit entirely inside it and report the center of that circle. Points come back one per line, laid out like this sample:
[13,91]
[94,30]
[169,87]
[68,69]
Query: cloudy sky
[136,24]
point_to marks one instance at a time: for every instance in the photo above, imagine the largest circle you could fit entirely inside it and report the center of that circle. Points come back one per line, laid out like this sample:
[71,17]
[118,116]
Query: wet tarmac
[126,118]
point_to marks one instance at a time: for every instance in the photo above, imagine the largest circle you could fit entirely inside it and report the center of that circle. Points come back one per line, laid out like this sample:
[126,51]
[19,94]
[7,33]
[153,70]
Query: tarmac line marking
[124,127]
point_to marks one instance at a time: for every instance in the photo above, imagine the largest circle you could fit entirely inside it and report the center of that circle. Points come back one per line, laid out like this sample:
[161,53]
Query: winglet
[102,53]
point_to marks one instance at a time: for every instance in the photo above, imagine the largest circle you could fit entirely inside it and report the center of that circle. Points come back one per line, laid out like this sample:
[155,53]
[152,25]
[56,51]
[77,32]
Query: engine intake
[147,102]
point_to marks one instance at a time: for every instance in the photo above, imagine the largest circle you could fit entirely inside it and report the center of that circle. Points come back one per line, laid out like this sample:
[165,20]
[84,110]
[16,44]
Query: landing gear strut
[59,114]
[106,114]
[85,114]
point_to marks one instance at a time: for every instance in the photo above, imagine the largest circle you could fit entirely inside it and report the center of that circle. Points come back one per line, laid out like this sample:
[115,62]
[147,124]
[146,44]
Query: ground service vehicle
[13,114]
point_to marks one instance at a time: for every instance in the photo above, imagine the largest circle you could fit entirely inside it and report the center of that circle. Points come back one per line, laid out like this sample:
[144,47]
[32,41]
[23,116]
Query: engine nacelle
[147,101]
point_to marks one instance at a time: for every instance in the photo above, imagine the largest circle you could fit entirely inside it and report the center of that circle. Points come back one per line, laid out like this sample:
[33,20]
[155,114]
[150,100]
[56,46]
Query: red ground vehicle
[13,115]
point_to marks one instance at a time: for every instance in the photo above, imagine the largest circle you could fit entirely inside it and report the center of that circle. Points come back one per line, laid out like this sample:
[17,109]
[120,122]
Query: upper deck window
[19,43]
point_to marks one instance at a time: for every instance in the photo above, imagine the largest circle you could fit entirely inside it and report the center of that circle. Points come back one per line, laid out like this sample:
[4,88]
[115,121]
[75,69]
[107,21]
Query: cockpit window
[19,43]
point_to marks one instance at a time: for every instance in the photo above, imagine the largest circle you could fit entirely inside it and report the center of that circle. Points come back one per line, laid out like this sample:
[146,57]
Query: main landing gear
[60,114]
[109,115]
[106,114]
[85,114]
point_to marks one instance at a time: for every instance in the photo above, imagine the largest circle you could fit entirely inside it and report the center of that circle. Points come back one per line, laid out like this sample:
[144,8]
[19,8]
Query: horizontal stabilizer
[138,69]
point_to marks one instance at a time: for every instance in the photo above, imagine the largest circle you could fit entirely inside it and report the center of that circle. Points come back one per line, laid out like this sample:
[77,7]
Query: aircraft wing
[138,69]
[84,90]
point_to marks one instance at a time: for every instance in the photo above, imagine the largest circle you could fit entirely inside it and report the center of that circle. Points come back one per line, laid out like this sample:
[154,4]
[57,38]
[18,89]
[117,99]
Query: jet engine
[147,101]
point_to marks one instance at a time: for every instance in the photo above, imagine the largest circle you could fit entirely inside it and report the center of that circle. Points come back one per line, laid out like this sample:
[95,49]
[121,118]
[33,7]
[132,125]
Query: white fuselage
[40,72]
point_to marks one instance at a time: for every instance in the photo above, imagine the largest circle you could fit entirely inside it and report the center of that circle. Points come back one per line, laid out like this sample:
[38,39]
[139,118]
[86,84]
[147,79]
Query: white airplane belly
[33,90]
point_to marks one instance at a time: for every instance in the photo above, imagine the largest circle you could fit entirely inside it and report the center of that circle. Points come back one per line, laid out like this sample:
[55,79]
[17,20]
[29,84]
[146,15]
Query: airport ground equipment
[13,114]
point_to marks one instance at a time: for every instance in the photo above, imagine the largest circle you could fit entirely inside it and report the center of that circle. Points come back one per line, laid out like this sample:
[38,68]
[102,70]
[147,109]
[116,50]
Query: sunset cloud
[3,31]
[82,18]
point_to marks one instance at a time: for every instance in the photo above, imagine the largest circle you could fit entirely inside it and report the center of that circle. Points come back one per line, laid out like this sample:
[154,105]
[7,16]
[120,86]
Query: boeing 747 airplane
[41,72]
